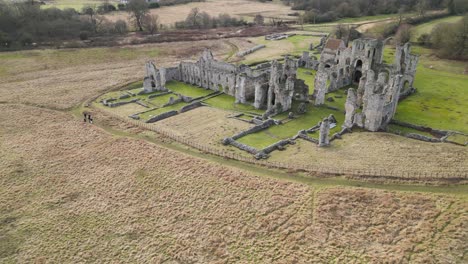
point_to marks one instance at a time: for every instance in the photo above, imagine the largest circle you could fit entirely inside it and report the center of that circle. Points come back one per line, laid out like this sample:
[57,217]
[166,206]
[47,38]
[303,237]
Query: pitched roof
[334,44]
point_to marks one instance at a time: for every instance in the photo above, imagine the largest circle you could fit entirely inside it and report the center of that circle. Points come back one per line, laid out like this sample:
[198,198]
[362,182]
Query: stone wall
[249,51]
[162,116]
[270,86]
[380,85]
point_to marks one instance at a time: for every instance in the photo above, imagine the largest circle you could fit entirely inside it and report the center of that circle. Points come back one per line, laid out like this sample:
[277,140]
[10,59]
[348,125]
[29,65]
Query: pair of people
[87,117]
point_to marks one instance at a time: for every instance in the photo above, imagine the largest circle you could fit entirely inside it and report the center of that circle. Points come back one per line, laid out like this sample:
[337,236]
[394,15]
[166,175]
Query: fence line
[331,171]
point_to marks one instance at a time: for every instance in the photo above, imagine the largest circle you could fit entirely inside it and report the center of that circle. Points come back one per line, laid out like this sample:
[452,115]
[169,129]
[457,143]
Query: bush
[424,40]
[154,5]
[106,8]
[403,34]
[390,30]
[121,7]
[121,26]
[84,35]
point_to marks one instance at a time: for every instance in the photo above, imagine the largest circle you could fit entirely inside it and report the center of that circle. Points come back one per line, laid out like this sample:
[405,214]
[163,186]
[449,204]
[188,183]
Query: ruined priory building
[380,85]
[272,86]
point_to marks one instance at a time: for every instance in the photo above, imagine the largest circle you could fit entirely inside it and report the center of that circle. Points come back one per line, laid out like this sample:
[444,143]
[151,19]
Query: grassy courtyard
[441,100]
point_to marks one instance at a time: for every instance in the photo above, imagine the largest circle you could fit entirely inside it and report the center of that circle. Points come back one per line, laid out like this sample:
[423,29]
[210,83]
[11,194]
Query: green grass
[426,28]
[161,100]
[406,130]
[227,102]
[314,115]
[148,115]
[187,89]
[441,100]
[308,76]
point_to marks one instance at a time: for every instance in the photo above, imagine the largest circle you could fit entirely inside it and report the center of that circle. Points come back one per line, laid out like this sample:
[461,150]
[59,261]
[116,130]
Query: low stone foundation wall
[263,154]
[121,103]
[423,138]
[190,107]
[162,116]
[268,123]
[249,51]
[159,94]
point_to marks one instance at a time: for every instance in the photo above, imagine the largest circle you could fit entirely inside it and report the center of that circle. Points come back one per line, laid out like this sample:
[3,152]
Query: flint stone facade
[272,88]
[380,84]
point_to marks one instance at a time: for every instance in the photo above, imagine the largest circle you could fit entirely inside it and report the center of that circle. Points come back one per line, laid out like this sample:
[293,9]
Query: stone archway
[357,71]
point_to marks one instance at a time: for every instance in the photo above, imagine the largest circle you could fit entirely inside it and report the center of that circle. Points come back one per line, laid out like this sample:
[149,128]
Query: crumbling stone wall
[267,86]
[155,79]
[379,85]
[282,86]
[249,51]
[162,116]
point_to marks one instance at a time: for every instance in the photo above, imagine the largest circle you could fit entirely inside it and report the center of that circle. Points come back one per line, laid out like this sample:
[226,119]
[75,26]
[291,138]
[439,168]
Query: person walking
[85,117]
[90,119]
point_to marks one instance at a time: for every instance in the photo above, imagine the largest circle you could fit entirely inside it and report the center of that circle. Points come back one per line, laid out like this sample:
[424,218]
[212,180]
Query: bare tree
[138,9]
[403,34]
[259,20]
[94,18]
[151,23]
[194,18]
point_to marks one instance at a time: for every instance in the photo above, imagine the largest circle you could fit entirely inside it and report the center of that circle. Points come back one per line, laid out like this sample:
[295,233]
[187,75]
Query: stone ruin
[380,85]
[155,79]
[272,87]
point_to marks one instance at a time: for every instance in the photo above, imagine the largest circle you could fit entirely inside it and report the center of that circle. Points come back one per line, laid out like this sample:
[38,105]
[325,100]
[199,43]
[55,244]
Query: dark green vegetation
[451,39]
[318,11]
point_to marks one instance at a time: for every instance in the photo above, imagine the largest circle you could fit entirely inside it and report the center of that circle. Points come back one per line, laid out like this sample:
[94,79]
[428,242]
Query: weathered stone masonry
[379,85]
[272,88]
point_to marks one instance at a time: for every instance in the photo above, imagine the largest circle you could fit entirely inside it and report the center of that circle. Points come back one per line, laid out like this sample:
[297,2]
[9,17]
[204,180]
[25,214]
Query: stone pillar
[260,95]
[324,133]
[320,85]
[240,90]
[350,107]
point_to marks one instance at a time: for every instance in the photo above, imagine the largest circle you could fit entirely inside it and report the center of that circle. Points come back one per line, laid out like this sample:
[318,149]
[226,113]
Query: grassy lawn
[311,118]
[227,102]
[160,100]
[441,100]
[148,115]
[187,89]
[427,27]
[308,76]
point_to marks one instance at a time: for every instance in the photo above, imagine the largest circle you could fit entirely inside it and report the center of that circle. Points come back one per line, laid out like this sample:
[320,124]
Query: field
[168,15]
[442,98]
[277,49]
[76,4]
[73,192]
[426,28]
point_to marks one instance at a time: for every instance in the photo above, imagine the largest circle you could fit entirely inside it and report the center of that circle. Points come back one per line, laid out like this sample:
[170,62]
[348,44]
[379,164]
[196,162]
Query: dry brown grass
[206,124]
[65,78]
[238,8]
[380,151]
[70,192]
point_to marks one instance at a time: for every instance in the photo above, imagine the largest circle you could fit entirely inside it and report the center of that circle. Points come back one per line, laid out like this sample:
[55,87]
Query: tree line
[318,11]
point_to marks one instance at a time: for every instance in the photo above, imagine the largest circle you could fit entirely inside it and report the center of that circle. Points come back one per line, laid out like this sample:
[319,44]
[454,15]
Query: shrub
[425,40]
[121,26]
[121,7]
[154,5]
[84,35]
